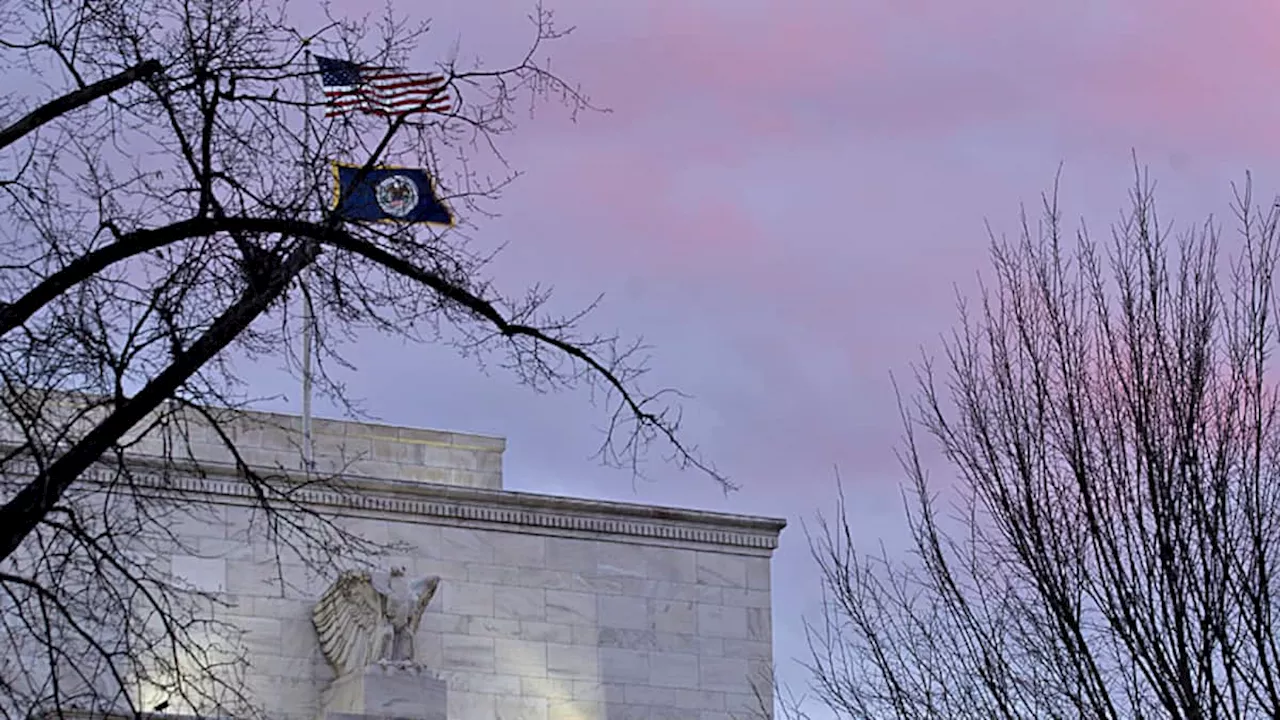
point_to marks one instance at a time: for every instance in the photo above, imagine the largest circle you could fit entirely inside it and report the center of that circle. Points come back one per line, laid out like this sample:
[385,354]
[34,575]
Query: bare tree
[164,180]
[1109,544]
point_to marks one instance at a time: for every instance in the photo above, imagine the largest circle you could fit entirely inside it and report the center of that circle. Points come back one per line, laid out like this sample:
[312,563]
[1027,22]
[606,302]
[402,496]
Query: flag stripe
[378,90]
[385,97]
[403,93]
[395,100]
[401,102]
[406,82]
[386,113]
[405,77]
[382,110]
[404,89]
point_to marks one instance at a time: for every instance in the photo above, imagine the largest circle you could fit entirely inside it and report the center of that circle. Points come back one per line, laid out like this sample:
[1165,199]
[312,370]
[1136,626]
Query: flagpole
[308,330]
[308,311]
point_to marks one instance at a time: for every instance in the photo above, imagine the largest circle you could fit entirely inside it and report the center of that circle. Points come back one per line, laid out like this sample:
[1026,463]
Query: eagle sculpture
[366,618]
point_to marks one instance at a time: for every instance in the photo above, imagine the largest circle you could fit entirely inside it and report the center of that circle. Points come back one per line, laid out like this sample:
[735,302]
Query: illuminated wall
[549,608]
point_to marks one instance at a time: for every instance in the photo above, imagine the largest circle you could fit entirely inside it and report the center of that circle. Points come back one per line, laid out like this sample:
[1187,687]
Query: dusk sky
[785,201]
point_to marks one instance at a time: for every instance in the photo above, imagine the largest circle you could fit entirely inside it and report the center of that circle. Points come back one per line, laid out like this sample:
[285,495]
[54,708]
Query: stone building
[548,608]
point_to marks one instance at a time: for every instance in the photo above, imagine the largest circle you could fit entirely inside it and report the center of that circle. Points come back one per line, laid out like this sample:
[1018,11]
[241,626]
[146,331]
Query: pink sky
[786,197]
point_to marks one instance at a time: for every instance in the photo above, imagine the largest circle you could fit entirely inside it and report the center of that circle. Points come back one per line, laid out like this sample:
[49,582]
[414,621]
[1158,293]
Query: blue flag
[387,194]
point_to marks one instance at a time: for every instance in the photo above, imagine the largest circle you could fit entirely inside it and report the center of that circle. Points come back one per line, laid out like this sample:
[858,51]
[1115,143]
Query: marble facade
[548,608]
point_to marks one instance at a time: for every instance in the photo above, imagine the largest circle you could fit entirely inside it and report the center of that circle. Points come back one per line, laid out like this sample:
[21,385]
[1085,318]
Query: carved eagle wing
[347,619]
[423,590]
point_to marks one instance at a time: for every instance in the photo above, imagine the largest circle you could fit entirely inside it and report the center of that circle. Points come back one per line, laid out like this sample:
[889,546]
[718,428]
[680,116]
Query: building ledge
[407,500]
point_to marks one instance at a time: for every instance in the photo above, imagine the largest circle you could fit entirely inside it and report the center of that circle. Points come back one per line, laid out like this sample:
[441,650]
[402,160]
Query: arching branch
[75,99]
[478,307]
[23,512]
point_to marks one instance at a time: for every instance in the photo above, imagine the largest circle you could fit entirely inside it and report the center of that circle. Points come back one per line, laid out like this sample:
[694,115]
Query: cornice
[420,501]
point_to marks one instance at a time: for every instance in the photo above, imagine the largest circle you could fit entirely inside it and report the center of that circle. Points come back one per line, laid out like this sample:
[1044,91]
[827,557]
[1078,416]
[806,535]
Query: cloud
[772,70]
[729,114]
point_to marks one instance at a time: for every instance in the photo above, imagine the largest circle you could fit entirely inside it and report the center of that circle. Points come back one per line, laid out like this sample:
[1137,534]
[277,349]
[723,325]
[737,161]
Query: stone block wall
[548,609]
[274,441]
[362,449]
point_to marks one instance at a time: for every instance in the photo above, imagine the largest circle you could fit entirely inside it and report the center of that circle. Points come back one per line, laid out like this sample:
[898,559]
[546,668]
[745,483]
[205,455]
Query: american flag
[349,88]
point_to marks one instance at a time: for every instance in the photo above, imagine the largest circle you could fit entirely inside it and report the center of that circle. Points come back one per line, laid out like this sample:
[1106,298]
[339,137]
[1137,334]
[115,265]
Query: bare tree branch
[24,511]
[76,99]
[1109,544]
